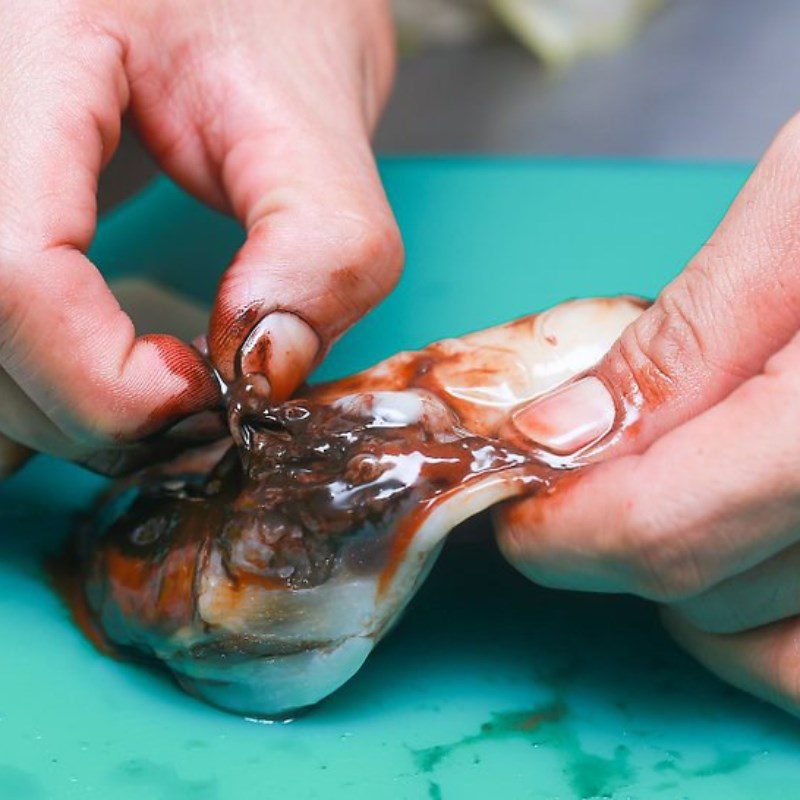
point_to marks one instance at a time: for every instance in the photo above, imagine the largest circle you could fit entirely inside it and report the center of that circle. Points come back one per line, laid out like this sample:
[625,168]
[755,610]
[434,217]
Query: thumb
[322,248]
[713,327]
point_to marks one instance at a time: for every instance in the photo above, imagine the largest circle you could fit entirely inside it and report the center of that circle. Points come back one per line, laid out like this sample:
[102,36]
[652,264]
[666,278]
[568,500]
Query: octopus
[263,570]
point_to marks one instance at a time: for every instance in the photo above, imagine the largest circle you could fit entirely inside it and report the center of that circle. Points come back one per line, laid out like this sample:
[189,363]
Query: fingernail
[283,347]
[569,419]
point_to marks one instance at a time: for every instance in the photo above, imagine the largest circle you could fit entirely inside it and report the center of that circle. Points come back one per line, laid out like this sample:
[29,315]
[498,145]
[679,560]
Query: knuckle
[373,244]
[368,261]
[677,337]
[673,342]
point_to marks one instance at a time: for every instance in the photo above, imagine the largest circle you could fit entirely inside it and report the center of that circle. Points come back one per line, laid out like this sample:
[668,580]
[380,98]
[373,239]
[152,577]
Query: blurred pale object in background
[430,22]
[155,309]
[557,31]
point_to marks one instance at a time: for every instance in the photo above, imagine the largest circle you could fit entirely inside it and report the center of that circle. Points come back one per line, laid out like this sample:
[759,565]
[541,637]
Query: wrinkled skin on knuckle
[666,348]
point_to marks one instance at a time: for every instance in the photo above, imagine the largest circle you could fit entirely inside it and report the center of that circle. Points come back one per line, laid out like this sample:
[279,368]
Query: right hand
[694,500]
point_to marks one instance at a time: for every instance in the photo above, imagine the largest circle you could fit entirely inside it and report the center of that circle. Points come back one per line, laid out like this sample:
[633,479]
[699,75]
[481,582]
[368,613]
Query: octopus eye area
[310,488]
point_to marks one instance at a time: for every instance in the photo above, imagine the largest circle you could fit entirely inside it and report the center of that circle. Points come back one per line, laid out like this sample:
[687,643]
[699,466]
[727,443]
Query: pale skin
[265,109]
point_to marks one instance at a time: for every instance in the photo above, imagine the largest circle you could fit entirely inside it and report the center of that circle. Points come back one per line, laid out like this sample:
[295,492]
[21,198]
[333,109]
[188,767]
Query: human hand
[258,107]
[690,432]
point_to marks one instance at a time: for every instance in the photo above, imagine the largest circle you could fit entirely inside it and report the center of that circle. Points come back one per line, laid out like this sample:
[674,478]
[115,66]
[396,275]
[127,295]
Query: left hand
[261,108]
[699,508]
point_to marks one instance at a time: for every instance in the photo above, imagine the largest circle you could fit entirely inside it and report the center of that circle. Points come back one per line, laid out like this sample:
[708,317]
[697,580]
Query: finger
[768,592]
[23,427]
[712,328]
[63,338]
[322,249]
[279,135]
[764,662]
[12,456]
[699,506]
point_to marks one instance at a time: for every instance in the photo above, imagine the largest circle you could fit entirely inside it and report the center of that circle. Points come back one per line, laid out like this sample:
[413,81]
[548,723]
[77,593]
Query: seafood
[262,577]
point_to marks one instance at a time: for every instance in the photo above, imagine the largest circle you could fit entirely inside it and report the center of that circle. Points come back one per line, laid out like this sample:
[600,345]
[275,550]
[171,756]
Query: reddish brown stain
[227,329]
[404,534]
[532,511]
[533,720]
[202,390]
[256,358]
[653,386]
[346,280]
[66,578]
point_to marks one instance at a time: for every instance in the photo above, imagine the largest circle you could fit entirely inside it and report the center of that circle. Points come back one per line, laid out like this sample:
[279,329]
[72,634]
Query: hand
[259,107]
[691,496]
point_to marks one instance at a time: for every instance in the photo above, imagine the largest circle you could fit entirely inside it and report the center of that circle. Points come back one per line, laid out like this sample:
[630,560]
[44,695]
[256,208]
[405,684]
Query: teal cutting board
[489,686]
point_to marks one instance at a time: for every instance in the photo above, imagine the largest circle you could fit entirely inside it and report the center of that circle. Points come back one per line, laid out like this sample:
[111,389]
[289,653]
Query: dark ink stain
[434,791]
[428,758]
[725,763]
[596,776]
[500,726]
[589,775]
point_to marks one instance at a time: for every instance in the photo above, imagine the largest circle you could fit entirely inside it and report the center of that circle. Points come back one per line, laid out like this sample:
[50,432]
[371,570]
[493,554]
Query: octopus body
[263,570]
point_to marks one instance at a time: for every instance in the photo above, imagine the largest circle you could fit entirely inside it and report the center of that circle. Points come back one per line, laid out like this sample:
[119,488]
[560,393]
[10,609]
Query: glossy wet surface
[310,487]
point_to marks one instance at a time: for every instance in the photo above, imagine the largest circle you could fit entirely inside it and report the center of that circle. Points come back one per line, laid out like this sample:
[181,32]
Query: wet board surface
[489,686]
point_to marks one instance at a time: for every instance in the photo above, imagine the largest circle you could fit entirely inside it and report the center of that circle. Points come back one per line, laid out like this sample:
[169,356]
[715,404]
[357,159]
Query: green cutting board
[489,686]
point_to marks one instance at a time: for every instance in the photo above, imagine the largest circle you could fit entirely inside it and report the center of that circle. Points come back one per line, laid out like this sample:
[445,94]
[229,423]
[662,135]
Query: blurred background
[674,79]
